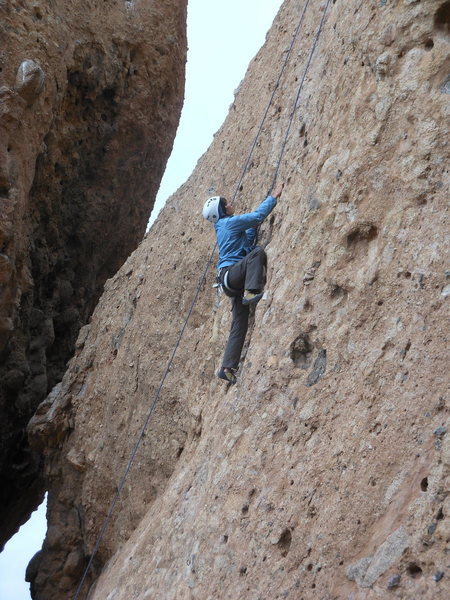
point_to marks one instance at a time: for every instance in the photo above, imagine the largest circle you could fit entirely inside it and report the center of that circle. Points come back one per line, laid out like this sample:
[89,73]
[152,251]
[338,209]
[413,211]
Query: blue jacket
[236,234]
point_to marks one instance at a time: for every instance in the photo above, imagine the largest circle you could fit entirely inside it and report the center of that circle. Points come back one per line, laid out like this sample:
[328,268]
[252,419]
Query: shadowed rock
[89,105]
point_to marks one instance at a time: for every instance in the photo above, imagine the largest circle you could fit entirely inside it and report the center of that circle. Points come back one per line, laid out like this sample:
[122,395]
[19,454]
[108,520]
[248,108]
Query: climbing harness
[202,281]
[222,282]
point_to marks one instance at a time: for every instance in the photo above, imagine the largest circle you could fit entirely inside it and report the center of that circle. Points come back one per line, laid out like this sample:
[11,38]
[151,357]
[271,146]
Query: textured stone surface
[323,455]
[90,95]
[368,569]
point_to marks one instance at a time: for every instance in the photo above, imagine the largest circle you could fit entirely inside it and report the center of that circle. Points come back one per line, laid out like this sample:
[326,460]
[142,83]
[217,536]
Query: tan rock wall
[324,473]
[90,96]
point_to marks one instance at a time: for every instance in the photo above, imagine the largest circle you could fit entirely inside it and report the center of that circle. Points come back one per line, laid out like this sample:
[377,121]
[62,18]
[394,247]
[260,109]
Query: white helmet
[211,209]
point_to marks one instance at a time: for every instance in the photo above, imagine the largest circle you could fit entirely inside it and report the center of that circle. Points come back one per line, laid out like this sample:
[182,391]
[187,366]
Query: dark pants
[247,274]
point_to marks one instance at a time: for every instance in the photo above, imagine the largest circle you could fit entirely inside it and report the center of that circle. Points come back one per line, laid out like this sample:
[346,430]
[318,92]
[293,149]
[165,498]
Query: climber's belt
[222,279]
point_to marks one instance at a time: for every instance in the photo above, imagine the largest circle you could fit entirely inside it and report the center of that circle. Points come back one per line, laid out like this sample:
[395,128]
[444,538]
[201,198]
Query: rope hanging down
[277,83]
[300,87]
[200,285]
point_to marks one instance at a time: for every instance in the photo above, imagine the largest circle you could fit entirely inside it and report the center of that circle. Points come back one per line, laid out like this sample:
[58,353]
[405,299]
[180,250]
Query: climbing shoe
[251,297]
[227,375]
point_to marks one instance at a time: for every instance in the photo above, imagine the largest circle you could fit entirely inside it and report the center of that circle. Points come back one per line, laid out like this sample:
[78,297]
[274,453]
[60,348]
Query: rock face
[90,97]
[324,473]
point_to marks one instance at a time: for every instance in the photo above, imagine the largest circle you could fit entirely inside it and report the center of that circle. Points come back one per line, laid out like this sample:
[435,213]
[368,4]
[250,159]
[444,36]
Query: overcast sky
[223,37]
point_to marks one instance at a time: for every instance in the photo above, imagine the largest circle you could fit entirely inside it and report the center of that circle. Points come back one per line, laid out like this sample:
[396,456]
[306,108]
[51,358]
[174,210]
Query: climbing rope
[202,282]
[300,87]
[258,133]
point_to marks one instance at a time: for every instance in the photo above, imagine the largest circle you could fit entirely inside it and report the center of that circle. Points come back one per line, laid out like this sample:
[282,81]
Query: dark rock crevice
[86,142]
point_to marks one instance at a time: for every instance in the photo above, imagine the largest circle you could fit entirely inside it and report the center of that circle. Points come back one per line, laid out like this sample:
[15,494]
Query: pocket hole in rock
[301,351]
[414,570]
[284,543]
[442,18]
[364,232]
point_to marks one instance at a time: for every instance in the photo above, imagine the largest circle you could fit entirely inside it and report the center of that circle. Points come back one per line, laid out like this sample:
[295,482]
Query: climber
[241,267]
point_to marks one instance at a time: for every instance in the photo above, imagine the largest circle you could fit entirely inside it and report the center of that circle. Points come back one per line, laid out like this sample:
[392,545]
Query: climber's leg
[236,338]
[250,272]
[255,273]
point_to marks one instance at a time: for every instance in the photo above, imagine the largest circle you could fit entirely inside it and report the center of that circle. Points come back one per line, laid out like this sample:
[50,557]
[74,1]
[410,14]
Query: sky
[223,37]
[17,554]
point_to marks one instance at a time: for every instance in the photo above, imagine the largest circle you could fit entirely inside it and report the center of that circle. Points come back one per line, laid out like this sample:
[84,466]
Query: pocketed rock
[272,487]
[90,99]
